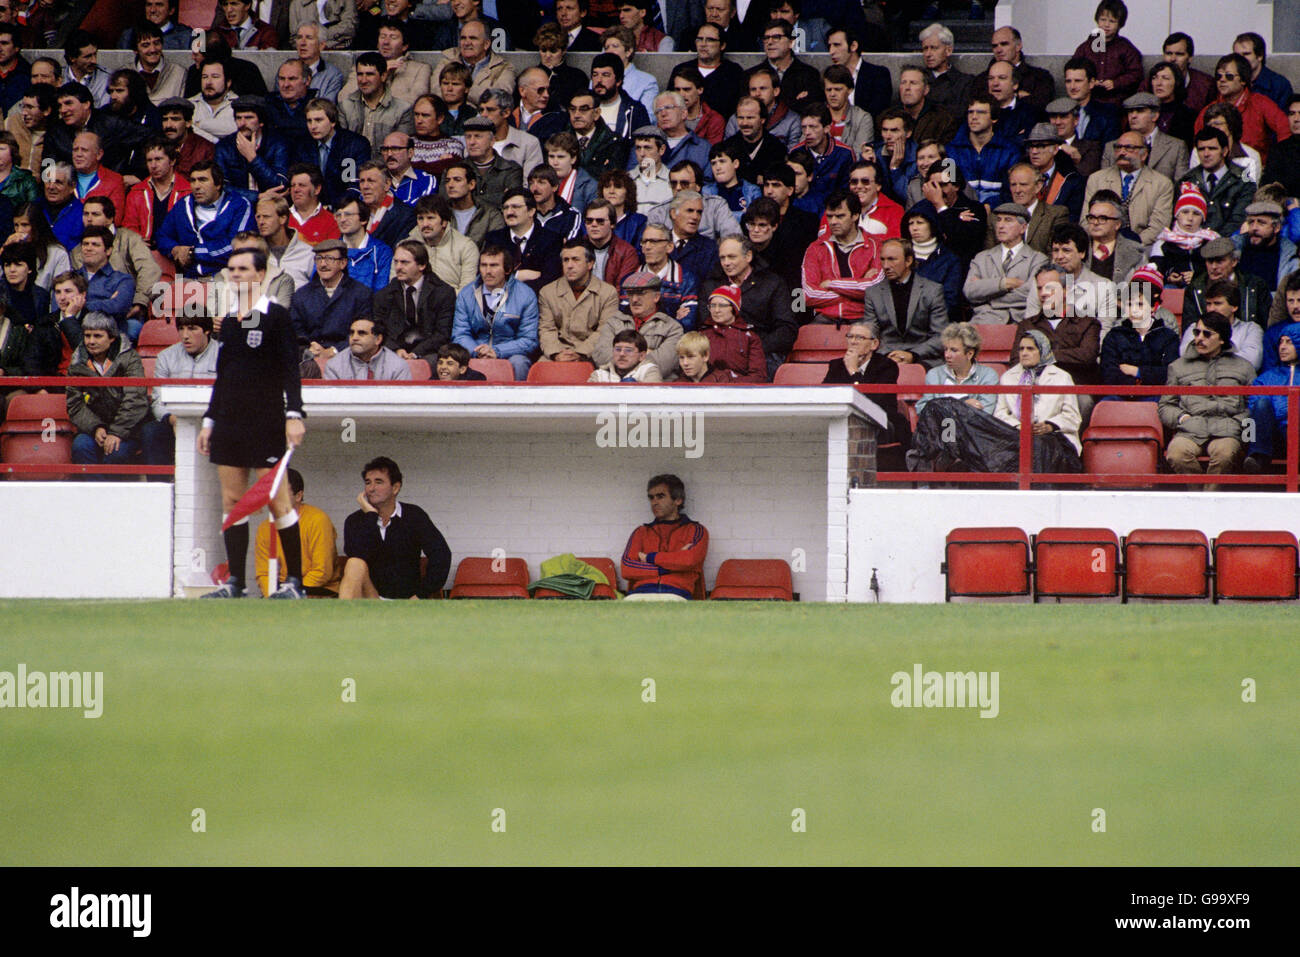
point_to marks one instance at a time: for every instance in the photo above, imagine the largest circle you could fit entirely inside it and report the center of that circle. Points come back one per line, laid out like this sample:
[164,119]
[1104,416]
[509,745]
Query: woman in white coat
[1055,418]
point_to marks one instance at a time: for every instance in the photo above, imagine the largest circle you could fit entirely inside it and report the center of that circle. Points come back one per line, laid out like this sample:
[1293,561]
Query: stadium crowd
[456,211]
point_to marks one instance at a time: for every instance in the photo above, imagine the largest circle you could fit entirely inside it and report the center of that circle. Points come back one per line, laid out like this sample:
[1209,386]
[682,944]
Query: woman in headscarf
[1054,418]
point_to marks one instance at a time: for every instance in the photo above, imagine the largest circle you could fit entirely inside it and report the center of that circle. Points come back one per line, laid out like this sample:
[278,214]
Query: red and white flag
[259,496]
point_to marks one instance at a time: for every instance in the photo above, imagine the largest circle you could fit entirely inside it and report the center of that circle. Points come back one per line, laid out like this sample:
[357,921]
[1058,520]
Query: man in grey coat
[371,110]
[999,278]
[916,337]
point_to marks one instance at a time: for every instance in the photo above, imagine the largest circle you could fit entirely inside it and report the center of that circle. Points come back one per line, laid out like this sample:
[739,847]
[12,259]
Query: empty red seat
[1123,438]
[1076,563]
[1259,566]
[800,373]
[986,562]
[753,579]
[997,343]
[491,578]
[420,370]
[910,373]
[601,592]
[819,342]
[37,431]
[155,336]
[1166,563]
[1172,299]
[496,370]
[149,363]
[547,372]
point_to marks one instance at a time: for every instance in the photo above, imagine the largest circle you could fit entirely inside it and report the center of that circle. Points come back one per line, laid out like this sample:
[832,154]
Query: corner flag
[259,496]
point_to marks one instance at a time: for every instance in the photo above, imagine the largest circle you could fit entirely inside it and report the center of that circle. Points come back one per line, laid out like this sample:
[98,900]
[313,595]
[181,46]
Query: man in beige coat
[406,79]
[1149,196]
[488,70]
[452,257]
[572,309]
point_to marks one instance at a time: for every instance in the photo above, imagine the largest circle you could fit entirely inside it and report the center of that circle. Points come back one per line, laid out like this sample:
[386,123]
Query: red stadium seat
[321,363]
[174,298]
[819,342]
[420,370]
[149,363]
[496,370]
[998,367]
[601,592]
[1140,419]
[23,434]
[800,373]
[155,336]
[1166,563]
[1076,563]
[986,562]
[910,373]
[753,579]
[1259,566]
[546,372]
[475,578]
[997,342]
[1123,438]
[1172,299]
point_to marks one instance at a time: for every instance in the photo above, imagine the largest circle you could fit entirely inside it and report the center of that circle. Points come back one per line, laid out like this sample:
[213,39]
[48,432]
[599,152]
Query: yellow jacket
[319,556]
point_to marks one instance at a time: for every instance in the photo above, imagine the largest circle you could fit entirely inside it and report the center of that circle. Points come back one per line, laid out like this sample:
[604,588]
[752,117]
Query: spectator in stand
[287,107]
[390,221]
[895,154]
[850,124]
[1263,122]
[214,115]
[1265,252]
[162,80]
[1139,349]
[766,304]
[371,110]
[1063,114]
[60,207]
[1167,154]
[716,220]
[1035,84]
[617,109]
[1264,81]
[832,159]
[242,30]
[1098,118]
[961,346]
[1023,186]
[536,250]
[29,304]
[1075,339]
[573,307]
[536,114]
[165,16]
[1054,418]
[696,253]
[177,129]
[253,159]
[70,309]
[1247,338]
[1284,160]
[1165,82]
[778,118]
[452,257]
[724,161]
[759,149]
[414,311]
[649,174]
[369,260]
[800,83]
[1222,265]
[496,315]
[194,357]
[635,16]
[433,149]
[681,144]
[693,361]
[1016,116]
[997,285]
[980,151]
[453,365]
[615,259]
[149,202]
[579,38]
[128,254]
[198,230]
[701,119]
[307,215]
[1212,424]
[336,152]
[511,144]
[80,53]
[32,226]
[565,80]
[962,221]
[107,419]
[320,573]
[76,116]
[839,269]
[673,568]
[1111,256]
[472,218]
[621,192]
[367,356]
[17,185]
[1176,252]
[1269,412]
[1086,293]
[629,363]
[92,177]
[677,286]
[323,80]
[1117,61]
[724,80]
[928,152]
[863,364]
[1224,117]
[907,309]
[1147,196]
[552,210]
[661,332]
[28,126]
[1195,89]
[576,186]
[333,23]
[596,147]
[950,89]
[735,348]
[932,260]
[322,311]
[405,183]
[638,84]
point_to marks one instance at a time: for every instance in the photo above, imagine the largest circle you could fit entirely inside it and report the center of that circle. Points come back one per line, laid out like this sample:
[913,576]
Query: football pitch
[727,733]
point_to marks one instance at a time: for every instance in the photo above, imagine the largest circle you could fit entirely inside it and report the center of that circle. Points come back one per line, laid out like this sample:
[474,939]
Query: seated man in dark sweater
[383,541]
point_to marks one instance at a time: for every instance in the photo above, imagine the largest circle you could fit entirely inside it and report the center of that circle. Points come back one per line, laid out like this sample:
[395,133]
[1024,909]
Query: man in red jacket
[664,560]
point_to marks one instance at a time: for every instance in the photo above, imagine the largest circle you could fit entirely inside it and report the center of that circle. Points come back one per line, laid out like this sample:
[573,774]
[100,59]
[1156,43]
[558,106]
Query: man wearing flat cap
[253,158]
[1059,182]
[1221,265]
[999,280]
[1168,154]
[1147,196]
[1063,114]
[1265,252]
[641,289]
[496,174]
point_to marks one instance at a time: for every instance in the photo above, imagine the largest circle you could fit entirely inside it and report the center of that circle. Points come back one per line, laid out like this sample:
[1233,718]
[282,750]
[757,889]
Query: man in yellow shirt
[320,575]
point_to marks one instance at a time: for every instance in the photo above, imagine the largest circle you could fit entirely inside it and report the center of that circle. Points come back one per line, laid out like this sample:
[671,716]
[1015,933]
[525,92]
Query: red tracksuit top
[675,553]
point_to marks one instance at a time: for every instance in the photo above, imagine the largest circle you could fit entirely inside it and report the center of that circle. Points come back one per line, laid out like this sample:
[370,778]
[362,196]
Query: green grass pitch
[536,709]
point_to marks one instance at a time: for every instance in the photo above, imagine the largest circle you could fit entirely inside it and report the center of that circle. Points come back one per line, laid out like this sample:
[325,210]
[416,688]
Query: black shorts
[249,443]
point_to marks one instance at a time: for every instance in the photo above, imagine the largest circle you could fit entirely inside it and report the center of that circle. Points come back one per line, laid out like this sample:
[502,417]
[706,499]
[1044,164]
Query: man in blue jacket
[496,315]
[337,152]
[369,261]
[198,231]
[254,158]
[979,150]
[1268,412]
[322,311]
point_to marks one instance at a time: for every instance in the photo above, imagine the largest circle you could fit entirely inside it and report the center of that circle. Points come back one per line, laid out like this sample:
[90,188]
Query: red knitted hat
[1150,274]
[730,293]
[1191,196]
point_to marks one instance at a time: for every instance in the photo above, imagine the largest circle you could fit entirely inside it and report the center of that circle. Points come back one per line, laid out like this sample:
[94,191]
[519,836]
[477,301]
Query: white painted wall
[1057,27]
[85,540]
[901,532]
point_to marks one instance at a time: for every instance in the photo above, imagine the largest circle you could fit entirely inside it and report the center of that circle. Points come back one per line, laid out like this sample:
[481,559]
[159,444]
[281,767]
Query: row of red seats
[1096,563]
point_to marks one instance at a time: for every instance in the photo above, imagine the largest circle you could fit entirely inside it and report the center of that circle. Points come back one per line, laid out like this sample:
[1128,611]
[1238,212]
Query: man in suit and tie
[1063,115]
[338,153]
[999,278]
[536,249]
[1148,196]
[414,311]
[1168,154]
[1097,121]
[1110,255]
[1023,183]
[909,308]
[1227,193]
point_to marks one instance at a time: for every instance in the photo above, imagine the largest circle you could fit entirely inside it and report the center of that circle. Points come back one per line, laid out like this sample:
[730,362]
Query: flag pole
[273,551]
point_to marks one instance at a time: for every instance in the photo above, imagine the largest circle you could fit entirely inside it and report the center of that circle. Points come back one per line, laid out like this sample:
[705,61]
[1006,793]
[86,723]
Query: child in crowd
[1177,250]
[693,360]
[453,365]
[1119,64]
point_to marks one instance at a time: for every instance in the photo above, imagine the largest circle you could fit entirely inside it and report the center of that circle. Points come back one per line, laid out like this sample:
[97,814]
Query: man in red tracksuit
[839,269]
[666,557]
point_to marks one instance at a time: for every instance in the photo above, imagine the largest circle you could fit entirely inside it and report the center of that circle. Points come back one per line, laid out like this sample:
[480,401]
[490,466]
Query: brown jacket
[1076,343]
[566,322]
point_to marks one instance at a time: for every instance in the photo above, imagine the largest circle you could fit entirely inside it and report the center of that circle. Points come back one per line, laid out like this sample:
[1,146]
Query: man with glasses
[1110,255]
[598,148]
[677,286]
[800,83]
[406,184]
[1168,154]
[536,113]
[536,249]
[615,259]
[322,311]
[716,218]
[681,143]
[1148,196]
[724,80]
[1247,338]
[1209,423]
[1261,121]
